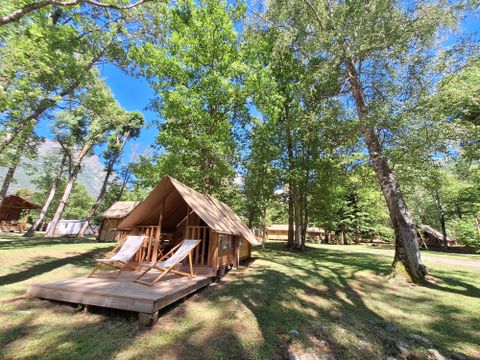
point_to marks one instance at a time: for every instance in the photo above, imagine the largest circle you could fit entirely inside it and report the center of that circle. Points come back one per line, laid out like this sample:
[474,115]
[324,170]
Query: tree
[196,72]
[24,148]
[33,85]
[369,47]
[127,126]
[79,130]
[21,11]
[55,182]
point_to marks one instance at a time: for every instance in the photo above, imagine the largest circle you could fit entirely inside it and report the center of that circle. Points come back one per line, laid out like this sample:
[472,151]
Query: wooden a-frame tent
[173,212]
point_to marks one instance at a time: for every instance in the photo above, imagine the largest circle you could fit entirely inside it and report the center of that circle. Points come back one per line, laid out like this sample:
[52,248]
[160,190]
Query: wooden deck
[121,293]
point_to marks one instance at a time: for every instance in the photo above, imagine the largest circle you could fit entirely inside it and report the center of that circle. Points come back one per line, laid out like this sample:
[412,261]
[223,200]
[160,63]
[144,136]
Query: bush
[465,231]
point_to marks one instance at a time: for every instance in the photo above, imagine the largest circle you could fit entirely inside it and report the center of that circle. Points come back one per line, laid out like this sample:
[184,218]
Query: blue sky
[134,94]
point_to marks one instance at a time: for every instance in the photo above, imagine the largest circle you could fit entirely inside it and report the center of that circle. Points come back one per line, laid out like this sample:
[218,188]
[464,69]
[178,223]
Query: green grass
[335,296]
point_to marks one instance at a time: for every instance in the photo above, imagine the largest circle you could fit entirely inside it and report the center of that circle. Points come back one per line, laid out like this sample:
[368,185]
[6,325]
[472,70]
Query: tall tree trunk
[407,249]
[264,226]
[93,210]
[66,195]
[291,186]
[441,216]
[10,173]
[50,197]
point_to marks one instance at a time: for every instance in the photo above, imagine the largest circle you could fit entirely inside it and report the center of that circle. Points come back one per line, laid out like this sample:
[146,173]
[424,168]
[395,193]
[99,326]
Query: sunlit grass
[336,297]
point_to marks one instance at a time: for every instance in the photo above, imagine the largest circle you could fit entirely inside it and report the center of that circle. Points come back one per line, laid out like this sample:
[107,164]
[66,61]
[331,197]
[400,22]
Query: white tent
[70,227]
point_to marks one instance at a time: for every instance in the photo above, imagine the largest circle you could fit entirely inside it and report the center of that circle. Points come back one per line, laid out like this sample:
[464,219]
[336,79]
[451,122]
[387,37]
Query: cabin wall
[278,235]
[107,234]
[226,250]
[245,250]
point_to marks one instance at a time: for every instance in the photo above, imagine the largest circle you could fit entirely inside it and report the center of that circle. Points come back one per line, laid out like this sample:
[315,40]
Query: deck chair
[122,258]
[171,259]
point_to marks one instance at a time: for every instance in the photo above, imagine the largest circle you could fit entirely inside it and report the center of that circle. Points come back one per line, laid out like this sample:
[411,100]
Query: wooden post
[236,250]
[145,319]
[159,233]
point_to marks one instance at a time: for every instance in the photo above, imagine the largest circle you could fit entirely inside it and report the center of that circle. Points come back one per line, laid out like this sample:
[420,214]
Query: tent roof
[120,209]
[217,215]
[435,233]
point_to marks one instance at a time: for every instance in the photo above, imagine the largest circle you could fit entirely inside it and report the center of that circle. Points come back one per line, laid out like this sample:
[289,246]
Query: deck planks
[122,293]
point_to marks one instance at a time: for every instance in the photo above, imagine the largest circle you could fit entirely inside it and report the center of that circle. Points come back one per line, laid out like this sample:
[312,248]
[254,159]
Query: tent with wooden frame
[433,237]
[113,216]
[173,212]
[279,232]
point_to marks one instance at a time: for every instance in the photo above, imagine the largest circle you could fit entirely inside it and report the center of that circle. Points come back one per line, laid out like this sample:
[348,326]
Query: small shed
[113,216]
[173,212]
[434,237]
[71,228]
[12,207]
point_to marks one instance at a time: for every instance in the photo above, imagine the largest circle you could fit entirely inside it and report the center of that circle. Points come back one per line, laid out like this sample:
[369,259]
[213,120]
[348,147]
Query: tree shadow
[43,264]
[9,242]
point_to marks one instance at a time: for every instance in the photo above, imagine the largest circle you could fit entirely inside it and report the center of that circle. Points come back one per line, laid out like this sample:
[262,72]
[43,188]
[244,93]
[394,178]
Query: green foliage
[195,72]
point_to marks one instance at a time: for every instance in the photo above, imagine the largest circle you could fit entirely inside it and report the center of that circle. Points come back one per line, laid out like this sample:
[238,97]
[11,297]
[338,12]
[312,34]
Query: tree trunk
[291,199]
[61,206]
[407,249]
[10,173]
[7,181]
[49,200]
[441,216]
[93,210]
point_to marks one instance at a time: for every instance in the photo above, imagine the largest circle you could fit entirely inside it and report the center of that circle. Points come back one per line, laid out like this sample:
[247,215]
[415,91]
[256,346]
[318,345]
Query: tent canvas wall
[173,212]
[70,228]
[279,232]
[112,217]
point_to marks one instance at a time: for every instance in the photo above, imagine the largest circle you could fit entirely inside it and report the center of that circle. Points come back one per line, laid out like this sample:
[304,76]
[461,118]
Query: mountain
[91,175]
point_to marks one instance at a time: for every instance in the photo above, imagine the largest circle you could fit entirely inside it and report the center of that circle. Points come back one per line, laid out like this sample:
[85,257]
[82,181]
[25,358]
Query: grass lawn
[336,297]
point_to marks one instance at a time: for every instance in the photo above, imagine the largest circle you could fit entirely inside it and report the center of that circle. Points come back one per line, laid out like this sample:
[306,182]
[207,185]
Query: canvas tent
[434,237]
[71,228]
[279,232]
[113,216]
[173,212]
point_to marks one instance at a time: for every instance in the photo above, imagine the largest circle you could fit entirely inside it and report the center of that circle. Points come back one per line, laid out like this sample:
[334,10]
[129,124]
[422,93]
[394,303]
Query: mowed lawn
[336,298]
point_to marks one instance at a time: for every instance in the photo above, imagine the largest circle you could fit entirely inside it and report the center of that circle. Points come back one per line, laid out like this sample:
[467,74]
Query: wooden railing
[202,250]
[153,248]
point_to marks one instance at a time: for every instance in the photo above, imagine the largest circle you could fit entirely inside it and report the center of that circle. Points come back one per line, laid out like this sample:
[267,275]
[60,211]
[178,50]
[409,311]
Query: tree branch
[19,13]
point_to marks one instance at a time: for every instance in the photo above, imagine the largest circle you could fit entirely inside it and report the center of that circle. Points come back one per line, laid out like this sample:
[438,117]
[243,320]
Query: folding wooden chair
[122,258]
[167,262]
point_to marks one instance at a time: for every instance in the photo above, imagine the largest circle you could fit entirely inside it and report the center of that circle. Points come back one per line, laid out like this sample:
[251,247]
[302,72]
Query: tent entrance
[202,251]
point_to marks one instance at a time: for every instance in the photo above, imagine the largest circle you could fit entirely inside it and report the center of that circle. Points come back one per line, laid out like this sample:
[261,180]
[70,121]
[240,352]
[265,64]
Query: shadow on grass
[10,242]
[313,294]
[80,336]
[40,265]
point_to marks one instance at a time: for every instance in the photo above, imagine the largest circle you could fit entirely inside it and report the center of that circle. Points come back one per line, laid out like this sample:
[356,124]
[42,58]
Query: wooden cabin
[113,216]
[173,212]
[279,232]
[12,208]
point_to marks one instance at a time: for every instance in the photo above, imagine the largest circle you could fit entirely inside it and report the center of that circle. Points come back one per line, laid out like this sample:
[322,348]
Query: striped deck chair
[171,259]
[122,258]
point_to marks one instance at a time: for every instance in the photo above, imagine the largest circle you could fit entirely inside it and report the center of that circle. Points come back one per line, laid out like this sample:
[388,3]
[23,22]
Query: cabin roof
[120,209]
[17,202]
[178,197]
